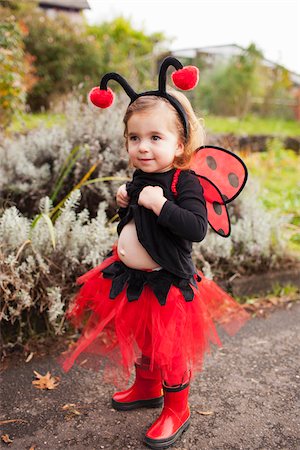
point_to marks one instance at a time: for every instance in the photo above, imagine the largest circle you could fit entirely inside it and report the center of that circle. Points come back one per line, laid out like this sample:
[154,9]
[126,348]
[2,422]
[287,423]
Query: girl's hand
[152,197]
[122,197]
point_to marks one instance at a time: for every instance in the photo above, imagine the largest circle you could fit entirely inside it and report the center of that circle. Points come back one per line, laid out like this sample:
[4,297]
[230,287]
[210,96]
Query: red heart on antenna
[186,78]
[101,97]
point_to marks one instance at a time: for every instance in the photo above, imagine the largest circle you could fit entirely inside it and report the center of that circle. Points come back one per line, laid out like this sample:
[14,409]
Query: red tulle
[116,332]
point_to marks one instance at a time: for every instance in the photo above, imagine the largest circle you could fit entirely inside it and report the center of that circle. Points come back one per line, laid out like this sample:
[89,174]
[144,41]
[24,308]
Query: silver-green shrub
[37,275]
[31,163]
[256,243]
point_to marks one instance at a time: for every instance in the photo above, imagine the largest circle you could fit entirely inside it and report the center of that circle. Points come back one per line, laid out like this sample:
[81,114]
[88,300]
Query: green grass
[24,121]
[214,124]
[252,125]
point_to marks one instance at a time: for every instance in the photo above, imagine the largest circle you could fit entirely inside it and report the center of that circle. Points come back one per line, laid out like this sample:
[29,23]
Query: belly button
[122,252]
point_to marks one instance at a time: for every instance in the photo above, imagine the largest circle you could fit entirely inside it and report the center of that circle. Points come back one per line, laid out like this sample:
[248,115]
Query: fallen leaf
[45,381]
[29,357]
[5,438]
[274,300]
[68,406]
[205,413]
[71,410]
[32,447]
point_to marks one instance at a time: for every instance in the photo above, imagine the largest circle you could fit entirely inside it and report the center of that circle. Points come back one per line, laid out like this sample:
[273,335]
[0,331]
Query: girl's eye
[133,138]
[156,138]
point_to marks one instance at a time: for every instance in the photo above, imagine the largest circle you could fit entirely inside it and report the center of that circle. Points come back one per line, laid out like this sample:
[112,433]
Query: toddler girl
[147,304]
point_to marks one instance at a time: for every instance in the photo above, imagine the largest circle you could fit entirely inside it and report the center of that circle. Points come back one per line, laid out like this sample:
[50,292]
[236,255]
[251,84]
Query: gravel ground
[250,386]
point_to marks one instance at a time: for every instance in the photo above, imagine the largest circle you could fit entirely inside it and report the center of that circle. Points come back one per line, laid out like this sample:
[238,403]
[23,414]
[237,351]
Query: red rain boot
[145,392]
[174,419]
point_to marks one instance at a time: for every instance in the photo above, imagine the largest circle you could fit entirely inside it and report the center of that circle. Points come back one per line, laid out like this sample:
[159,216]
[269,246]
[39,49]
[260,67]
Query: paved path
[251,386]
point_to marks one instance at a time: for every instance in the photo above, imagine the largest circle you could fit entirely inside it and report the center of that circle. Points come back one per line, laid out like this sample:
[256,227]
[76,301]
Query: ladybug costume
[162,322]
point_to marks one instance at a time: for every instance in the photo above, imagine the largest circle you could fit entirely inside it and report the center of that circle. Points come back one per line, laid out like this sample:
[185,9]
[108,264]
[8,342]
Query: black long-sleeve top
[183,219]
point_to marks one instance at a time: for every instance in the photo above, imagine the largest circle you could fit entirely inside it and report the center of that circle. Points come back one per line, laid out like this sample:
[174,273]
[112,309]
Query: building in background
[71,8]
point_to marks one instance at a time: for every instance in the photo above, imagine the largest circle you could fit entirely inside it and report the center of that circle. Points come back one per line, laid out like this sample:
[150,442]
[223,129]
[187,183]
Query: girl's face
[153,140]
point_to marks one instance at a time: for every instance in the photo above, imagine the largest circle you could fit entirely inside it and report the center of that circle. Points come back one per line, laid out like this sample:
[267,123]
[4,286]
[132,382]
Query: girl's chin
[148,166]
[145,169]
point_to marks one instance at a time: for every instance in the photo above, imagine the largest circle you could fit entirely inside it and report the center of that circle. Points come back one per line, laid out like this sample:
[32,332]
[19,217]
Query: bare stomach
[131,252]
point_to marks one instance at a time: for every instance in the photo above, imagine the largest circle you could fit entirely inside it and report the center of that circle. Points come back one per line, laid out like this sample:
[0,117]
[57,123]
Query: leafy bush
[64,58]
[15,68]
[256,243]
[36,279]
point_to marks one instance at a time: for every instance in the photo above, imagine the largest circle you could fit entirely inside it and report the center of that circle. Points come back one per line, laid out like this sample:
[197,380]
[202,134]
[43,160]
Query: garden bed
[264,283]
[254,142]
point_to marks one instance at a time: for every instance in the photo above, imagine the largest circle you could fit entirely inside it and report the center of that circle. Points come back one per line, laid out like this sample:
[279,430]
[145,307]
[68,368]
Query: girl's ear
[180,149]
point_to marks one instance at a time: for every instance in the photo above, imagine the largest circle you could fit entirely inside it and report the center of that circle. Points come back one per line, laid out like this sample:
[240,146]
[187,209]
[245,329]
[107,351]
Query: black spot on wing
[211,162]
[233,179]
[217,208]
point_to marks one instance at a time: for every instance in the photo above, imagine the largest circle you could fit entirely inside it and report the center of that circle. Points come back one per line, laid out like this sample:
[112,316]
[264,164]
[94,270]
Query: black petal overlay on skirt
[160,281]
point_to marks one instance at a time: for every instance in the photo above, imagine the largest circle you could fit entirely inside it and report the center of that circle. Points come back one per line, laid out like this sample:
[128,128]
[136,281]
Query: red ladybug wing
[223,168]
[217,213]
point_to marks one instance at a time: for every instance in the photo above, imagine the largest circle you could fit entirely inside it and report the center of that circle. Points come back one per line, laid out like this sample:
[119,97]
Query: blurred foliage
[277,98]
[282,197]
[227,89]
[68,57]
[64,58]
[243,84]
[17,73]
[127,51]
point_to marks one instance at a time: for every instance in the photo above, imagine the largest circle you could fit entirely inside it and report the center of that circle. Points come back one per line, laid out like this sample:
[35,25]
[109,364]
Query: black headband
[184,78]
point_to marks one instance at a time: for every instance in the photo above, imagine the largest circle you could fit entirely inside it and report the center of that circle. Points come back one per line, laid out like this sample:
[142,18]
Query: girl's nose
[143,147]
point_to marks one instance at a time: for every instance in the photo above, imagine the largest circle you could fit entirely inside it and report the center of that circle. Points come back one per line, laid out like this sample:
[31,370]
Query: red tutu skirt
[173,336]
